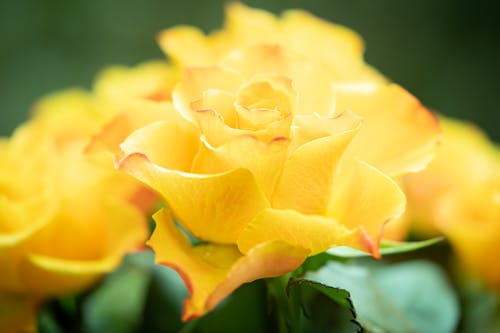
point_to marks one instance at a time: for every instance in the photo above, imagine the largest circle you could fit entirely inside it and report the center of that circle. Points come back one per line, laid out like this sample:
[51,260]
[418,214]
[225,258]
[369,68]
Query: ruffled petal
[311,232]
[305,184]
[197,82]
[139,113]
[211,207]
[364,198]
[211,272]
[311,80]
[399,135]
[263,159]
[171,145]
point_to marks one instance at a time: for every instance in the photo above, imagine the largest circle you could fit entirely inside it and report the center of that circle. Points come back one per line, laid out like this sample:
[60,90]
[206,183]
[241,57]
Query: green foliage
[411,297]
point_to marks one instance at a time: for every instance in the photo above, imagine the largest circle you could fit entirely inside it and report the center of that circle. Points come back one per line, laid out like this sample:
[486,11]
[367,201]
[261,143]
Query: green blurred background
[446,52]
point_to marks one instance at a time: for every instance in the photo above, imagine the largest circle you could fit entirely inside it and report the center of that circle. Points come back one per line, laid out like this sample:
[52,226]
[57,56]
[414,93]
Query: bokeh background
[446,52]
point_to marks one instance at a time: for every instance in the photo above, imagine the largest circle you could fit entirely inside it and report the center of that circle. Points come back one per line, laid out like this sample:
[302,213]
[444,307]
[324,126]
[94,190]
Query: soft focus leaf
[385,248]
[407,297]
[481,308]
[116,306]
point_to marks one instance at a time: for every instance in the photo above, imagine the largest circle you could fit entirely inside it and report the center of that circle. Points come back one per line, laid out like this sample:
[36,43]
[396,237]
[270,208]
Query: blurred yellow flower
[338,47]
[458,195]
[65,219]
[269,163]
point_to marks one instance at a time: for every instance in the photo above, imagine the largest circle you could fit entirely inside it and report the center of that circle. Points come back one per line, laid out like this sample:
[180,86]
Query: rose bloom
[458,195]
[274,155]
[66,218]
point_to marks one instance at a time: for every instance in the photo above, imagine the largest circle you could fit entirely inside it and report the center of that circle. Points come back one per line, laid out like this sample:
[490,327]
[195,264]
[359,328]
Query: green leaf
[116,306]
[386,248]
[321,316]
[412,297]
[481,308]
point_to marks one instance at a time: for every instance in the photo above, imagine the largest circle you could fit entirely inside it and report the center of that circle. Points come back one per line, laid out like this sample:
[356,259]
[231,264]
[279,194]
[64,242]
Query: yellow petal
[197,81]
[17,313]
[210,271]
[211,207]
[172,145]
[265,260]
[363,198]
[263,159]
[314,126]
[186,46]
[399,135]
[310,79]
[249,26]
[311,232]
[137,114]
[307,178]
[337,46]
[200,272]
[48,277]
[152,80]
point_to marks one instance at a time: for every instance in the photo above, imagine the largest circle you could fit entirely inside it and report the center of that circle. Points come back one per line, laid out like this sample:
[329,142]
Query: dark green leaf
[320,315]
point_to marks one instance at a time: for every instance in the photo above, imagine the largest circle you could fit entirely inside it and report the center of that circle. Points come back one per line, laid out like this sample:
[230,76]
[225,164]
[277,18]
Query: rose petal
[306,181]
[48,276]
[263,159]
[275,60]
[338,47]
[213,271]
[211,207]
[197,81]
[401,132]
[139,113]
[357,202]
[172,145]
[187,46]
[311,232]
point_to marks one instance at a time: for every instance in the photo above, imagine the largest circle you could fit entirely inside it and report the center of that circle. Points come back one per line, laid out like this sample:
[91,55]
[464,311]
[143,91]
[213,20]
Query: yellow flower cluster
[278,145]
[67,216]
[458,195]
[268,141]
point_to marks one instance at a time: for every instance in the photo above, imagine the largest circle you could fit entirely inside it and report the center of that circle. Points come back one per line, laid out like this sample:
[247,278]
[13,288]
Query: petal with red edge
[399,135]
[199,80]
[171,145]
[139,113]
[265,260]
[211,207]
[213,271]
[196,268]
[365,198]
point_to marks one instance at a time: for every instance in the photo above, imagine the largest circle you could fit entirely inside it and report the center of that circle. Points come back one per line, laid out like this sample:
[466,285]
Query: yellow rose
[269,164]
[64,219]
[340,48]
[458,195]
